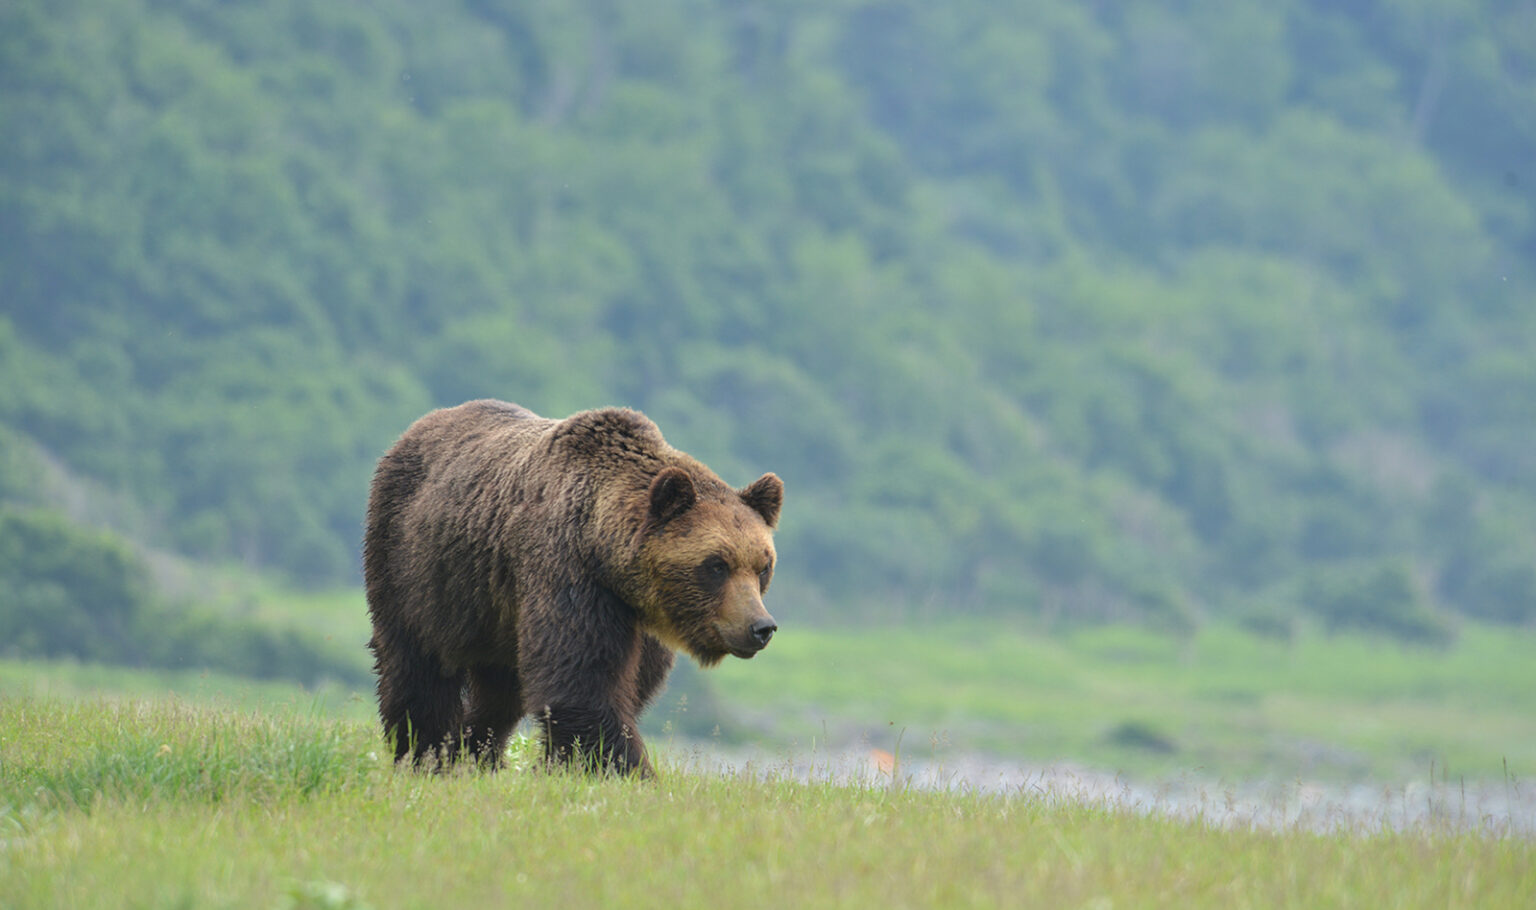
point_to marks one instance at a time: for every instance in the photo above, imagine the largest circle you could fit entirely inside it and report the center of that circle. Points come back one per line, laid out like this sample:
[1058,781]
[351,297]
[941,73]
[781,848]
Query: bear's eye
[716,570]
[763,576]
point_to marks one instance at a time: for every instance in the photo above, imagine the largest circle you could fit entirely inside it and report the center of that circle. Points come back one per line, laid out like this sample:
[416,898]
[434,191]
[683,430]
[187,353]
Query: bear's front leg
[595,739]
[579,655]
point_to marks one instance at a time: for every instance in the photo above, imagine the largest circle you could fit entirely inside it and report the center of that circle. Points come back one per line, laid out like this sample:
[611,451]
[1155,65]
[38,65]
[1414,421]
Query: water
[1496,808]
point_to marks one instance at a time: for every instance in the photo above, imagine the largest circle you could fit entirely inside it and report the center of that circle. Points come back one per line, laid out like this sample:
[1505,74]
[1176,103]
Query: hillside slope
[1129,313]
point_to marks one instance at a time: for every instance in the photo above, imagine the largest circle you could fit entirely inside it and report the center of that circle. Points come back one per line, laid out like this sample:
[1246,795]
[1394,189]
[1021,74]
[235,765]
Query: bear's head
[704,561]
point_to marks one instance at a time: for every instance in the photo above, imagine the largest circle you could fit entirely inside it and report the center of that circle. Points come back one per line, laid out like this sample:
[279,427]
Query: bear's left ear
[765,495]
[672,494]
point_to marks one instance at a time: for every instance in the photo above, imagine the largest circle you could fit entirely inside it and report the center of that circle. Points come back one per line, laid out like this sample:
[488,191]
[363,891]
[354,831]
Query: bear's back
[475,430]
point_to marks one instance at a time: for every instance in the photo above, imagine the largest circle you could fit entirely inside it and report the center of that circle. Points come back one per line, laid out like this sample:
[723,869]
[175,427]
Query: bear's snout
[748,639]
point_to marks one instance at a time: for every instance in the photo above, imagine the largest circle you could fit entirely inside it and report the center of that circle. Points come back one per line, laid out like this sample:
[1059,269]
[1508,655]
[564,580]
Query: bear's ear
[672,494]
[765,495]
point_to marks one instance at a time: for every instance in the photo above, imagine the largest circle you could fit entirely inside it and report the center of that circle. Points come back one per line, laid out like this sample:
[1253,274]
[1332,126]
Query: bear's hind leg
[420,706]
[495,705]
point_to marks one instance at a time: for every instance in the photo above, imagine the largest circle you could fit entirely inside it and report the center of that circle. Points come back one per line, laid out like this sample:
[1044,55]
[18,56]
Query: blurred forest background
[1074,312]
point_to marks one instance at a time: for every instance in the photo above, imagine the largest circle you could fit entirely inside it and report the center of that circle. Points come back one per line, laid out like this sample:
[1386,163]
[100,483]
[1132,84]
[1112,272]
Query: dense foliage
[1077,310]
[84,594]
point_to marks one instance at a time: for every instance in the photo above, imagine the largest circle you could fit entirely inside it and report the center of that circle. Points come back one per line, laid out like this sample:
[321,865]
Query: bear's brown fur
[520,565]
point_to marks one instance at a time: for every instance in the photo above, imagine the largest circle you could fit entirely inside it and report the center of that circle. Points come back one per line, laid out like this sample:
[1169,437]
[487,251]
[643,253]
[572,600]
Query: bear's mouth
[746,642]
[746,650]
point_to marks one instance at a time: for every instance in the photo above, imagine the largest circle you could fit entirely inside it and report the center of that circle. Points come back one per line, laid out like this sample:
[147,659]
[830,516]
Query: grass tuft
[77,754]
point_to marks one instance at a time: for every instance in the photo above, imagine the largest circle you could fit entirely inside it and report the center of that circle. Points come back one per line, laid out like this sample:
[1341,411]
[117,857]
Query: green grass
[339,614]
[67,679]
[80,753]
[1224,704]
[164,804]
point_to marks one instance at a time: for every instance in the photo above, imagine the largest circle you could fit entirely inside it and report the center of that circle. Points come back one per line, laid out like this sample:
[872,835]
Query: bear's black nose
[762,630]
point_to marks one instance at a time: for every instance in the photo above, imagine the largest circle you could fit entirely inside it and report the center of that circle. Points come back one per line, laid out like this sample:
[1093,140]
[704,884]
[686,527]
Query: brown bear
[521,565]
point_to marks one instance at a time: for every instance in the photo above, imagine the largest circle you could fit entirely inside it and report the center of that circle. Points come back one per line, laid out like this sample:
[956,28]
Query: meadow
[176,803]
[1221,704]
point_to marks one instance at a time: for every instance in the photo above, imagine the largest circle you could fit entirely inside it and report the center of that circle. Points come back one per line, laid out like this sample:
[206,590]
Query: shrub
[71,591]
[1377,596]
[66,590]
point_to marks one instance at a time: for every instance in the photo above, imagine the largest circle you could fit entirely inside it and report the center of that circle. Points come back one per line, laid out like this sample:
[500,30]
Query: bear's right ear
[766,496]
[672,494]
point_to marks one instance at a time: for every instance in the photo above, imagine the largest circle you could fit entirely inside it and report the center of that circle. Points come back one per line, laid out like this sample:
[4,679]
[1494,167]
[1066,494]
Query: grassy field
[63,680]
[169,804]
[1222,705]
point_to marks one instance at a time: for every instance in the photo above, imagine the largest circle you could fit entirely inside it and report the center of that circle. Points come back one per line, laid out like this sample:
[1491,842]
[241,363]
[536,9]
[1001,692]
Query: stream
[1498,808]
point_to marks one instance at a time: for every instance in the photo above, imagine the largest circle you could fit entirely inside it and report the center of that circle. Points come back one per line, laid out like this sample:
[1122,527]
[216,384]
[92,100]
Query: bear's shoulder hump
[608,428]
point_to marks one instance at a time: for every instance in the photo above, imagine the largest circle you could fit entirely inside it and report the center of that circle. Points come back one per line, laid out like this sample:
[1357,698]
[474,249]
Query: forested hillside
[1083,311]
